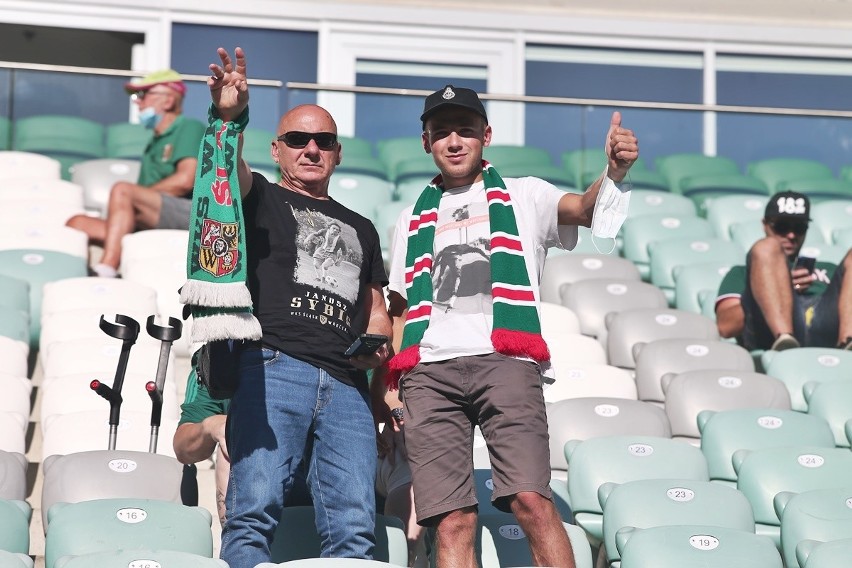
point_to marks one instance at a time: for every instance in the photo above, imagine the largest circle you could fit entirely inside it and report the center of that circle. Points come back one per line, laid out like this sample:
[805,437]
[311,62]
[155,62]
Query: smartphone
[806,262]
[366,344]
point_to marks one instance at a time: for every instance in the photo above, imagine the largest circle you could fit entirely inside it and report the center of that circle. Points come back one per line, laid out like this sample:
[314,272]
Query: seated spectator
[162,196]
[779,299]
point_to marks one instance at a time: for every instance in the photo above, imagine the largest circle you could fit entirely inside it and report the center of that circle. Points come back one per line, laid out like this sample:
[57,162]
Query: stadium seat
[126,141]
[821,515]
[585,164]
[31,234]
[392,151]
[142,557]
[502,542]
[257,148]
[14,355]
[843,237]
[41,189]
[97,177]
[593,417]
[820,189]
[703,188]
[363,165]
[90,355]
[362,193]
[642,179]
[573,349]
[65,138]
[109,474]
[643,325]
[746,233]
[296,537]
[829,216]
[814,554]
[568,268]
[590,380]
[102,294]
[670,356]
[105,525]
[89,430]
[689,393]
[695,545]
[762,474]
[649,202]
[725,432]
[14,324]
[26,164]
[14,293]
[14,526]
[512,155]
[639,232]
[691,280]
[166,249]
[774,172]
[591,300]
[355,147]
[38,212]
[677,167]
[5,133]
[795,367]
[667,257]
[15,560]
[17,390]
[619,459]
[645,503]
[830,400]
[558,318]
[589,245]
[826,253]
[724,211]
[13,476]
[327,563]
[549,173]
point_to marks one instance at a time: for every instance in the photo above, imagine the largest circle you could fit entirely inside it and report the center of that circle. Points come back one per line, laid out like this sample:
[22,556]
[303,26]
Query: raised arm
[622,150]
[229,92]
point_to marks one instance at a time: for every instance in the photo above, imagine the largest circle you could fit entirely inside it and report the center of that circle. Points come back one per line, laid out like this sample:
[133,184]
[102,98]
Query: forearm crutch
[166,335]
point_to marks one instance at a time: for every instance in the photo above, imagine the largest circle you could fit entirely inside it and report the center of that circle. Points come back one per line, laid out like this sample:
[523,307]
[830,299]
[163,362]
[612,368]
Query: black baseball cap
[452,96]
[790,205]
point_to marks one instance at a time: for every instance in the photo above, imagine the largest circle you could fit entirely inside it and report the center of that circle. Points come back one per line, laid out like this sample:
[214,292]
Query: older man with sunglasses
[299,398]
[780,299]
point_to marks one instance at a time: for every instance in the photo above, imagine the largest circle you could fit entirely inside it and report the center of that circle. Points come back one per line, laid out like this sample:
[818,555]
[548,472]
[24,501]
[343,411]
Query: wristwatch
[397,413]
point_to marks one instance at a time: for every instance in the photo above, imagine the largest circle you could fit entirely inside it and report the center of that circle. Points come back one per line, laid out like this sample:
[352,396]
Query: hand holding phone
[366,344]
[807,262]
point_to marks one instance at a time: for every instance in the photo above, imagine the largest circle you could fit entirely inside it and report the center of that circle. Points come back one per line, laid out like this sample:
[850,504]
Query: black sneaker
[784,341]
[846,344]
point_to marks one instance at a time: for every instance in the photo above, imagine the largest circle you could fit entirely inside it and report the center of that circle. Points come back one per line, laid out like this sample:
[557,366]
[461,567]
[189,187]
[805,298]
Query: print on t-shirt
[329,254]
[461,273]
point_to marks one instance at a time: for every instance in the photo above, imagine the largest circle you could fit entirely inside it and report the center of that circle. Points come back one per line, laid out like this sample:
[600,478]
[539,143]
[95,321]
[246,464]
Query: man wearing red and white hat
[162,196]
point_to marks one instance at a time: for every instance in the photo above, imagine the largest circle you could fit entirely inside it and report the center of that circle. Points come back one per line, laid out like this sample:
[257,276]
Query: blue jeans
[283,411]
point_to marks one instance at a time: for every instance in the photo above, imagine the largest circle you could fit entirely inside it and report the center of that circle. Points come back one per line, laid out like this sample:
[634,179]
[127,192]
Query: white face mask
[149,118]
[610,210]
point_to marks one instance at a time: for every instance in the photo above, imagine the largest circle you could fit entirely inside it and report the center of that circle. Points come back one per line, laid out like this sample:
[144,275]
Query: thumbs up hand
[622,148]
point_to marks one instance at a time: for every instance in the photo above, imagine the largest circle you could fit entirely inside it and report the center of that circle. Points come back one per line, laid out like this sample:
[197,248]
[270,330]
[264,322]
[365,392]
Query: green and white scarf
[517,330]
[216,290]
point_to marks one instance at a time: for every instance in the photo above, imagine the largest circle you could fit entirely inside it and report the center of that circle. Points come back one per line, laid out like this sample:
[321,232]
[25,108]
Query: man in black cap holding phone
[779,299]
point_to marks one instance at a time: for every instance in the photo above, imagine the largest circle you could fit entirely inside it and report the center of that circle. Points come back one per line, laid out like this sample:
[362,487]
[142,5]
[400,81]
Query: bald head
[307,118]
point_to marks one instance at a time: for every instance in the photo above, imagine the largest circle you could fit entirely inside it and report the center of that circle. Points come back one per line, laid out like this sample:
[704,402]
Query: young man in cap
[480,363]
[779,299]
[161,197]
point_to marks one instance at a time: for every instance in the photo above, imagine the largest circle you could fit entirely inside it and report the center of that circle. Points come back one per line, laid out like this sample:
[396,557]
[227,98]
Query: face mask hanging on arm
[610,208]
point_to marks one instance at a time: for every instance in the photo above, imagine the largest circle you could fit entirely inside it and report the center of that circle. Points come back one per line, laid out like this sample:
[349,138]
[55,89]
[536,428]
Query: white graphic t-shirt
[462,319]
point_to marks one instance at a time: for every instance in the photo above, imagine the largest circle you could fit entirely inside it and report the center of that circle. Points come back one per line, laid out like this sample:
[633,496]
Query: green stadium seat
[68,139]
[639,232]
[821,189]
[821,515]
[13,473]
[328,563]
[14,526]
[830,400]
[387,215]
[724,211]
[257,148]
[671,255]
[5,133]
[619,459]
[646,503]
[14,293]
[15,560]
[816,554]
[501,542]
[38,267]
[567,268]
[692,280]
[795,367]
[354,147]
[677,167]
[763,474]
[360,192]
[830,216]
[775,172]
[14,324]
[843,237]
[725,432]
[296,537]
[362,165]
[105,525]
[502,155]
[746,233]
[547,172]
[139,557]
[392,151]
[650,202]
[695,545]
[126,141]
[704,187]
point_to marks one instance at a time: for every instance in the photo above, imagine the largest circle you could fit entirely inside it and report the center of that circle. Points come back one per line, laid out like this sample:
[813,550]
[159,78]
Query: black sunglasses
[296,139]
[785,227]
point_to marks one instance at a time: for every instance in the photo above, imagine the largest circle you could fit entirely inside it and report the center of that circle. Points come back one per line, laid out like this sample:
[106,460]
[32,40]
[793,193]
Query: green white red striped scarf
[517,330]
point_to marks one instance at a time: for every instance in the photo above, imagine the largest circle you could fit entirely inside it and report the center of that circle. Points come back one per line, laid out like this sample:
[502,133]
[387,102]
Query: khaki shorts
[444,400]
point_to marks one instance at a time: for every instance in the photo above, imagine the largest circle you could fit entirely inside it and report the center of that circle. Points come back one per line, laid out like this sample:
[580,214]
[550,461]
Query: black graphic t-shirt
[309,263]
